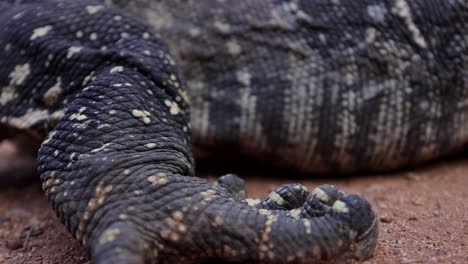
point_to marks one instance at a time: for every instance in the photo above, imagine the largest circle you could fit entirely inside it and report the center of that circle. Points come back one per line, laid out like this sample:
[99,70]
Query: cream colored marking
[56,153]
[116,69]
[264,249]
[252,202]
[150,145]
[208,194]
[233,48]
[9,94]
[377,12]
[307,226]
[72,155]
[109,235]
[126,172]
[19,74]
[99,196]
[51,96]
[178,216]
[123,216]
[160,179]
[79,116]
[223,27]
[79,34]
[73,50]
[142,114]
[30,118]
[295,213]
[124,35]
[371,34]
[320,195]
[93,9]
[40,32]
[341,207]
[264,212]
[218,221]
[403,10]
[101,148]
[146,35]
[276,198]
[112,112]
[173,107]
[147,52]
[117,18]
[93,36]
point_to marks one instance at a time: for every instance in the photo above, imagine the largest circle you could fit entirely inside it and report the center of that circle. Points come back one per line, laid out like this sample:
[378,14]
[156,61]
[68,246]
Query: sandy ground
[423,215]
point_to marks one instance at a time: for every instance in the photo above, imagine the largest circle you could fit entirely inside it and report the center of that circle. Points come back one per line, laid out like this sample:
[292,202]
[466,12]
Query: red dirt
[423,217]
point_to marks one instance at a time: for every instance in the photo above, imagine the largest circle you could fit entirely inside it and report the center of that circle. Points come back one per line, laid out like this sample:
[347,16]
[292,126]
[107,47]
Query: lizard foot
[186,220]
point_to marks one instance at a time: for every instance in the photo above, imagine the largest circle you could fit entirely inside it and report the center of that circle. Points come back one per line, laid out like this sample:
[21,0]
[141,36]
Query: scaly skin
[314,86]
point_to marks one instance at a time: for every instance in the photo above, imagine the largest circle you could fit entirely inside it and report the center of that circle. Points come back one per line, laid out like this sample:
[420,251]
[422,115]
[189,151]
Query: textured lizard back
[323,85]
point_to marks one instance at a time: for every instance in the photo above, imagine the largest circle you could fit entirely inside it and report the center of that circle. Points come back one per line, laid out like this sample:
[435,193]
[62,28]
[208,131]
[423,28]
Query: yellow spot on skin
[93,36]
[218,221]
[276,198]
[93,9]
[123,216]
[320,195]
[9,94]
[142,114]
[73,50]
[264,212]
[30,118]
[307,226]
[116,69]
[40,32]
[173,107]
[208,194]
[79,116]
[160,179]
[19,74]
[341,207]
[233,48]
[150,145]
[403,10]
[51,96]
[295,213]
[109,235]
[99,197]
[252,202]
[178,216]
